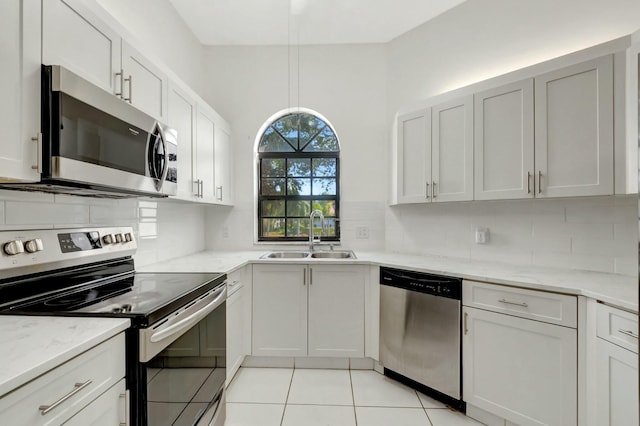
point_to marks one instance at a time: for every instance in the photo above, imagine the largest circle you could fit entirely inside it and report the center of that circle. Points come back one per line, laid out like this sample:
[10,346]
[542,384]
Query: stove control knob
[119,238]
[128,237]
[109,239]
[34,245]
[13,247]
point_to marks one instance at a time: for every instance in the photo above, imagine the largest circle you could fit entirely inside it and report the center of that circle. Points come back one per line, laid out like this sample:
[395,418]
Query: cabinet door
[235,329]
[574,130]
[617,385]
[246,311]
[20,86]
[223,163]
[145,86]
[414,157]
[503,142]
[203,154]
[74,37]
[336,310]
[452,150]
[522,370]
[108,409]
[279,320]
[182,117]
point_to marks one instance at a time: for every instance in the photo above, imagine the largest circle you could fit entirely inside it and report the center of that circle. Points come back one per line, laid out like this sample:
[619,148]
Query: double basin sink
[338,254]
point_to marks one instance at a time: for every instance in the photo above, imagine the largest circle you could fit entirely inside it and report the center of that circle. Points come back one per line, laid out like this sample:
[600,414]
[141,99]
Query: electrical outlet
[362,232]
[482,235]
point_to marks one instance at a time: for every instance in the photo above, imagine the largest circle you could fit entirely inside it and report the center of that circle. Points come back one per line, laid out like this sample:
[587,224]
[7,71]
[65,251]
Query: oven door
[184,357]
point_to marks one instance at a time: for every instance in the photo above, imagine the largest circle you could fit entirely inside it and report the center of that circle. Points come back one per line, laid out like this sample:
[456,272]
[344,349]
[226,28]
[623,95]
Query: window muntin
[298,165]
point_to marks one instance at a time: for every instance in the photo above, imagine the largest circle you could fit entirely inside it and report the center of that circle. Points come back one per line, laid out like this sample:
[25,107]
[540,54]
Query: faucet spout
[312,238]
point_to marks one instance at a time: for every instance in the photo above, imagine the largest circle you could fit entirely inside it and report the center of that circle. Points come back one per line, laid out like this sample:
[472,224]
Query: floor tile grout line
[353,398]
[423,408]
[286,400]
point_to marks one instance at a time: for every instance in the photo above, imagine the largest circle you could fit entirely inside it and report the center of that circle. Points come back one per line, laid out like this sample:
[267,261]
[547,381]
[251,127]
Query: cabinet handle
[121,75]
[219,188]
[539,181]
[310,276]
[523,304]
[426,193]
[433,190]
[201,188]
[38,140]
[528,182]
[628,333]
[304,276]
[130,80]
[45,409]
[197,184]
[466,323]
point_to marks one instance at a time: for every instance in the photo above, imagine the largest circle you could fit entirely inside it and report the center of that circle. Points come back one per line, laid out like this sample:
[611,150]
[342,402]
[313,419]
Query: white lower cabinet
[617,393]
[308,310]
[94,377]
[521,370]
[238,319]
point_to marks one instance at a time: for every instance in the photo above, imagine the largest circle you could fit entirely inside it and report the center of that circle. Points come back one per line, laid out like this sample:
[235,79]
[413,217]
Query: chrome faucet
[313,239]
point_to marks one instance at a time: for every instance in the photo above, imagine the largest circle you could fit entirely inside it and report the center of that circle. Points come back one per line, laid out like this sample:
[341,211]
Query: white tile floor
[288,397]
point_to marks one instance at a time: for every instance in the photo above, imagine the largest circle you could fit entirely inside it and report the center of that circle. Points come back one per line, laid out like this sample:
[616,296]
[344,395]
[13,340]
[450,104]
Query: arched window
[299,170]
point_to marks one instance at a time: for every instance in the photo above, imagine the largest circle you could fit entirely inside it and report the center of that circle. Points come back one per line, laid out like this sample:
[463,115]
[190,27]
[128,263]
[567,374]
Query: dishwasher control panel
[436,285]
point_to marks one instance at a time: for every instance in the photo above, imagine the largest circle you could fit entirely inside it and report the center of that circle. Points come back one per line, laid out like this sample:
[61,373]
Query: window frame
[297,154]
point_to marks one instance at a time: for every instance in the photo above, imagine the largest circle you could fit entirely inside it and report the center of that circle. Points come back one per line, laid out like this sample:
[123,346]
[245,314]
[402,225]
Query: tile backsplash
[597,234]
[164,229]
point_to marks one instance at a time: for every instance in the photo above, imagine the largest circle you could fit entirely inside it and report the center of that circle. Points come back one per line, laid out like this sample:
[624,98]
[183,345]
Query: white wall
[346,84]
[162,34]
[478,40]
[163,229]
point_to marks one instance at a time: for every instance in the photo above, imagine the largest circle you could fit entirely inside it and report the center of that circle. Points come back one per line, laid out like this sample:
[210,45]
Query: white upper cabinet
[72,36]
[144,85]
[222,154]
[182,117]
[504,162]
[574,130]
[414,157]
[204,154]
[452,150]
[20,40]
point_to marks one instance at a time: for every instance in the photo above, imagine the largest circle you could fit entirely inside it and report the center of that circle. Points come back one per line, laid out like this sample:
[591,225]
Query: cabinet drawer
[235,280]
[618,327]
[100,367]
[532,304]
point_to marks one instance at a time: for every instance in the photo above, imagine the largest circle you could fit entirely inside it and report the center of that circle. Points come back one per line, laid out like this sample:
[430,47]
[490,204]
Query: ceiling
[273,22]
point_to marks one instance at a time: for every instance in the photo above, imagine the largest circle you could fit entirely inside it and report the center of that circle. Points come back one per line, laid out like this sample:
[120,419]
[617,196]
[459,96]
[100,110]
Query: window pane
[325,142]
[272,208]
[273,227]
[324,167]
[329,228]
[272,142]
[298,186]
[288,127]
[272,186]
[297,227]
[327,207]
[324,187]
[272,167]
[298,208]
[299,167]
[309,126]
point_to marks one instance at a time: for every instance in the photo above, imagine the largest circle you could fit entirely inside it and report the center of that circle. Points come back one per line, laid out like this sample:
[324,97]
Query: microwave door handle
[189,321]
[165,168]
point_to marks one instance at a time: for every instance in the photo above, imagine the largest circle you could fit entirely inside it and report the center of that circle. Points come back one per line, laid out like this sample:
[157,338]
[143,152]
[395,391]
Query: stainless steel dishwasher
[420,342]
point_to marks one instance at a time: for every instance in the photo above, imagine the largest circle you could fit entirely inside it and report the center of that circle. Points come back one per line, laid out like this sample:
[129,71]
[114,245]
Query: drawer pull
[523,304]
[628,333]
[45,409]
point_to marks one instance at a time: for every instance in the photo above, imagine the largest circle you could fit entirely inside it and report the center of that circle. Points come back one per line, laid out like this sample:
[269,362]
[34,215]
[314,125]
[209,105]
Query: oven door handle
[191,320]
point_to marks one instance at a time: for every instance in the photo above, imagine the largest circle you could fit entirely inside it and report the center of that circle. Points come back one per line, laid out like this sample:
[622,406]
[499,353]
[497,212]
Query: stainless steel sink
[285,255]
[338,254]
[333,255]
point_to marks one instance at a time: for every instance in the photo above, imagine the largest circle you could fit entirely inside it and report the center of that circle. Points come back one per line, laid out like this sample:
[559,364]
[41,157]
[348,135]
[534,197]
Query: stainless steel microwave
[95,144]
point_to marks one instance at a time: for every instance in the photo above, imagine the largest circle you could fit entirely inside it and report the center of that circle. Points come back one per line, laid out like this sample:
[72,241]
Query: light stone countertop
[614,289]
[33,345]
